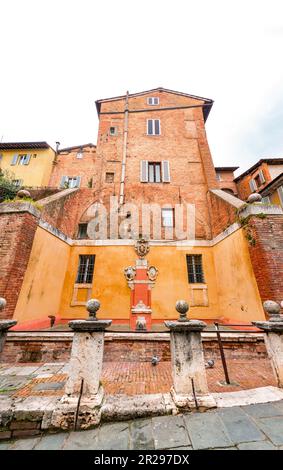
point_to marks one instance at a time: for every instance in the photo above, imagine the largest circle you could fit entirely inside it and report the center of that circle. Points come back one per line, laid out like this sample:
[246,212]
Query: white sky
[59,56]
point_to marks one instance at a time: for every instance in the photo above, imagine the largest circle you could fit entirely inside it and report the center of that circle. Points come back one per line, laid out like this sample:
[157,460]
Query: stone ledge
[18,207]
[260,208]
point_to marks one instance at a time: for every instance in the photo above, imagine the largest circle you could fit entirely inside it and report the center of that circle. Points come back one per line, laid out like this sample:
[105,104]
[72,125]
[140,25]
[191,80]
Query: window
[109,177]
[70,182]
[113,130]
[153,127]
[24,159]
[265,200]
[85,269]
[195,270]
[154,172]
[218,176]
[80,154]
[253,185]
[153,100]
[167,217]
[17,183]
[1,156]
[280,192]
[82,231]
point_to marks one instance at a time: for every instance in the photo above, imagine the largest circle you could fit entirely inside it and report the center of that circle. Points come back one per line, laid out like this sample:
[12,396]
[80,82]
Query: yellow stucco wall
[42,286]
[275,199]
[238,294]
[36,173]
[50,277]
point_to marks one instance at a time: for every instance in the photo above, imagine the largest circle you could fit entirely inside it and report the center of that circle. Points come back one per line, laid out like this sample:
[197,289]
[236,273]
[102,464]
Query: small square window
[113,130]
[80,154]
[109,177]
[153,101]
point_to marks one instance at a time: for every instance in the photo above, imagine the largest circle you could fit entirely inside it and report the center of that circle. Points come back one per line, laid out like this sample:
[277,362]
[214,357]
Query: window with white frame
[17,183]
[24,159]
[154,172]
[153,100]
[167,215]
[70,182]
[80,154]
[153,127]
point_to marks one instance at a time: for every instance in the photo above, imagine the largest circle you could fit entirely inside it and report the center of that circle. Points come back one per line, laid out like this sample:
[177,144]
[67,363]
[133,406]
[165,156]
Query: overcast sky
[59,56]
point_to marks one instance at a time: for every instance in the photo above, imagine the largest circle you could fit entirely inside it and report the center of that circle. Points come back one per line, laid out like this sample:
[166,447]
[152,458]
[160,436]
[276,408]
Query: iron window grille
[195,269]
[85,269]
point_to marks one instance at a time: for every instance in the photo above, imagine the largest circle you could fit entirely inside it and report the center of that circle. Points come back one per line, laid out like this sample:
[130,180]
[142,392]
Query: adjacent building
[28,164]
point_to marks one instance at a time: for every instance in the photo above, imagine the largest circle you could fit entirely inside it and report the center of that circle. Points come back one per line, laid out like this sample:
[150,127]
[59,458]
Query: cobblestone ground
[252,427]
[129,378]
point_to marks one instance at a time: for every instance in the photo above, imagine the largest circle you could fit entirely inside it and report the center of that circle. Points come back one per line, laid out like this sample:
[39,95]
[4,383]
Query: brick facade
[223,214]
[68,164]
[265,237]
[17,230]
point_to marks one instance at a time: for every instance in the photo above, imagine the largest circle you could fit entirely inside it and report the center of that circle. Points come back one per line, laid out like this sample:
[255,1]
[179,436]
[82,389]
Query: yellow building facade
[28,164]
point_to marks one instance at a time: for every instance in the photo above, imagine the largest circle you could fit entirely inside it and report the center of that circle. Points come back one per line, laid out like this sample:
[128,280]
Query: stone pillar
[190,388]
[4,325]
[81,404]
[273,338]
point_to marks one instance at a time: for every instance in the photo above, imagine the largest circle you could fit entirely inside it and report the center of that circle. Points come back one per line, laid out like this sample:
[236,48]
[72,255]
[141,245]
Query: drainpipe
[124,156]
[56,152]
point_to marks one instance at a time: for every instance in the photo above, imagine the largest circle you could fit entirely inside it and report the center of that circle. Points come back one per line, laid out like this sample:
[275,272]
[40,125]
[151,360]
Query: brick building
[151,148]
[257,177]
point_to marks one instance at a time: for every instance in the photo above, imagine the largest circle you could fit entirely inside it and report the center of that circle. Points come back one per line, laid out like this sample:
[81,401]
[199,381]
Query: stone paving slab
[169,431]
[10,383]
[141,434]
[114,436]
[273,428]
[263,410]
[51,442]
[262,445]
[81,440]
[24,444]
[239,426]
[206,430]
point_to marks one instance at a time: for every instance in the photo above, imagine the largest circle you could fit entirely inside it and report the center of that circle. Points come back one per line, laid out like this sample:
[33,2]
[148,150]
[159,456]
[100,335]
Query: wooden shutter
[14,159]
[165,171]
[261,177]
[144,171]
[78,181]
[252,184]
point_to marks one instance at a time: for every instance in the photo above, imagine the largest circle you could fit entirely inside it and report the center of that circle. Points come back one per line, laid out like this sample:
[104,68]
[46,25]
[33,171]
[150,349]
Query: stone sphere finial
[182,307]
[272,309]
[92,306]
[254,197]
[22,193]
[3,303]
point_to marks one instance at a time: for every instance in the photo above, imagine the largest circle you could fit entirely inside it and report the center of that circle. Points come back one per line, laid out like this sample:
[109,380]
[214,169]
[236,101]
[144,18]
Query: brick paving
[22,380]
[250,427]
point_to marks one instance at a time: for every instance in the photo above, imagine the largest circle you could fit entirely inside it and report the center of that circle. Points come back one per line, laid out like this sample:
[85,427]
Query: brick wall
[67,164]
[223,214]
[126,350]
[266,252]
[17,230]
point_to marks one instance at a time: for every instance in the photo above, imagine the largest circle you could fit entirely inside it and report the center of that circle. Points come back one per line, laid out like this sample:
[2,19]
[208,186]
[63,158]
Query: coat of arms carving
[142,247]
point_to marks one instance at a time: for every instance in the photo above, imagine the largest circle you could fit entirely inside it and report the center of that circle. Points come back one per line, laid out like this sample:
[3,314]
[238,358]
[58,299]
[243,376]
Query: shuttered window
[261,176]
[154,172]
[167,217]
[85,269]
[195,269]
[253,186]
[70,182]
[153,127]
[24,159]
[14,159]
